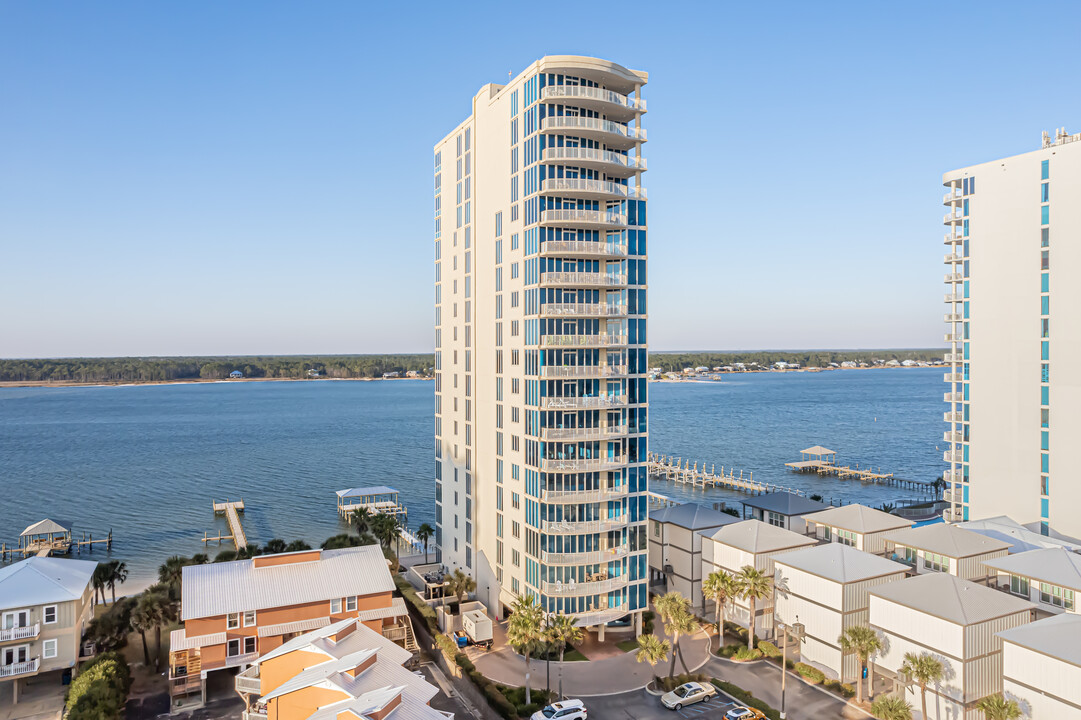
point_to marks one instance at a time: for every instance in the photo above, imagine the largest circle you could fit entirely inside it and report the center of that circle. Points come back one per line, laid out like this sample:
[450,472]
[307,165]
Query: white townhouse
[675,546]
[945,548]
[857,525]
[1041,667]
[783,509]
[955,621]
[1050,578]
[750,542]
[826,588]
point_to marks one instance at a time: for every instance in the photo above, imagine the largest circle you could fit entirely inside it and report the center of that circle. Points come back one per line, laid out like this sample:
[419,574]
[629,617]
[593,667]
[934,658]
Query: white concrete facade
[1041,668]
[675,548]
[540,346]
[1013,310]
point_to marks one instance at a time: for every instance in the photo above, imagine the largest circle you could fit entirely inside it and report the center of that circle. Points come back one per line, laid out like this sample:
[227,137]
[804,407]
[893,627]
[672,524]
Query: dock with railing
[231,509]
[823,461]
[48,537]
[683,472]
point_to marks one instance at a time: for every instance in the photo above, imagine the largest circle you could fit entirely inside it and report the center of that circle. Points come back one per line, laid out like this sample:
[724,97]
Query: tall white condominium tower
[540,341]
[1014,310]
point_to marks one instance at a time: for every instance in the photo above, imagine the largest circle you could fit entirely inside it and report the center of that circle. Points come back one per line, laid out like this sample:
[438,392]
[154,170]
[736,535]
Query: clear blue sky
[255,177]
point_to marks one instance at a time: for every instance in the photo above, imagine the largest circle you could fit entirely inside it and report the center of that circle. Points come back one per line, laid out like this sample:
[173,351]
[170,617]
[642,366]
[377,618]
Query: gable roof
[950,598]
[1020,537]
[41,580]
[755,536]
[1058,636]
[1057,566]
[226,587]
[692,516]
[948,540]
[785,503]
[46,527]
[858,518]
[840,563]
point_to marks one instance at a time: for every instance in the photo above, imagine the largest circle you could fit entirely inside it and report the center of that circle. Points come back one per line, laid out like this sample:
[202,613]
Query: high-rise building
[1013,306]
[540,340]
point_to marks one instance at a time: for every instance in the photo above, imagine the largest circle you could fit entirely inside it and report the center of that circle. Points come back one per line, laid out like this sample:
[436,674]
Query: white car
[688,694]
[562,710]
[744,713]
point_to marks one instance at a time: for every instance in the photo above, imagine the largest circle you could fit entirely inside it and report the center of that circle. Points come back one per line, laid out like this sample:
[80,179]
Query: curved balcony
[583,403]
[951,218]
[952,417]
[592,189]
[952,258]
[953,514]
[583,496]
[582,279]
[952,436]
[953,397]
[951,337]
[952,317]
[567,527]
[613,104]
[610,163]
[952,358]
[582,340]
[582,464]
[582,433]
[583,310]
[951,476]
[583,371]
[584,218]
[610,133]
[952,456]
[592,557]
[955,298]
[582,247]
[596,587]
[953,278]
[952,239]
[952,196]
[953,378]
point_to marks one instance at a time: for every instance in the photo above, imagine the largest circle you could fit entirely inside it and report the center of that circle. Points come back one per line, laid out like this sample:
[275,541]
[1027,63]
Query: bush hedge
[839,687]
[101,689]
[769,649]
[747,698]
[810,674]
[745,654]
[424,609]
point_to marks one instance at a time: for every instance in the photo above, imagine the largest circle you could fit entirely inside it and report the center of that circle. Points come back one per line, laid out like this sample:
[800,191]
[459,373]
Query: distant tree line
[674,362]
[159,369]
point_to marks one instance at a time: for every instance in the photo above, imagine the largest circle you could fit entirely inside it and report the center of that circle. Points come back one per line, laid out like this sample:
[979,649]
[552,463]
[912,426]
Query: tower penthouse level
[540,341]
[1013,309]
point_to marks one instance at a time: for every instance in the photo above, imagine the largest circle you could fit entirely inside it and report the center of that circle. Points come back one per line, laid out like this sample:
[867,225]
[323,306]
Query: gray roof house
[782,509]
[675,546]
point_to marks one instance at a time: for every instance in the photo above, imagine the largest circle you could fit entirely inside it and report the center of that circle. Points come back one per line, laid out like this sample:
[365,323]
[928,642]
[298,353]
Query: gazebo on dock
[46,534]
[813,458]
[376,499]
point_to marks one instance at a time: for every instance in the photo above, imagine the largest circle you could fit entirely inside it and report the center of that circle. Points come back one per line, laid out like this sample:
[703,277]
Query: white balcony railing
[584,309]
[583,247]
[952,436]
[952,239]
[952,258]
[950,337]
[585,217]
[20,633]
[582,464]
[584,526]
[584,496]
[955,298]
[582,371]
[238,660]
[583,588]
[951,196]
[572,186]
[594,557]
[253,715]
[583,278]
[952,397]
[560,92]
[583,403]
[249,681]
[16,669]
[952,317]
[948,495]
[581,433]
[953,514]
[952,417]
[953,278]
[952,357]
[952,456]
[583,340]
[952,218]
[566,122]
[953,378]
[580,154]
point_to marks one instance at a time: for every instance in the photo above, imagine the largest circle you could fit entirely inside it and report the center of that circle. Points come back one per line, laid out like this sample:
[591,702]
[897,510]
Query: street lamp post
[798,630]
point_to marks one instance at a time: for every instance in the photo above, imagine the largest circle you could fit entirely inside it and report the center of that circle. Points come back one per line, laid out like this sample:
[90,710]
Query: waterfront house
[945,548]
[45,606]
[1041,667]
[826,588]
[782,509]
[751,542]
[675,546]
[955,621]
[344,671]
[1050,577]
[861,527]
[233,612]
[236,374]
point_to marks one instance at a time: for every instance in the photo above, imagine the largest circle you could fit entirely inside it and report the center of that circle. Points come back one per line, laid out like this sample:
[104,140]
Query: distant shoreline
[190,381]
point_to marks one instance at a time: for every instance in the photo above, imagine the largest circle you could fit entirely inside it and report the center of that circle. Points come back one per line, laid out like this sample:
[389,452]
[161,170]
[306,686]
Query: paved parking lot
[639,705]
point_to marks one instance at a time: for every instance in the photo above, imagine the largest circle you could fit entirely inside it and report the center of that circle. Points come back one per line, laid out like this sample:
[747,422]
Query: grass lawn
[627,645]
[574,655]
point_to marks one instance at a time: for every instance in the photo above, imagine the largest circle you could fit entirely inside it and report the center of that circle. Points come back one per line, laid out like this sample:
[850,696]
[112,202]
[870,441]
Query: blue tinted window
[966,206]
[1044,440]
[1044,170]
[1044,280]
[1045,305]
[1045,214]
[1045,190]
[964,186]
[1044,394]
[1044,461]
[1044,513]
[1045,350]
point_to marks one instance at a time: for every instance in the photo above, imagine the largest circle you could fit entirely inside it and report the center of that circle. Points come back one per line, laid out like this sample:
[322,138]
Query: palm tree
[891,707]
[525,632]
[460,586]
[753,585]
[297,546]
[158,610]
[675,612]
[924,669]
[99,580]
[199,559]
[863,641]
[363,518]
[385,529]
[141,621]
[275,546]
[562,630]
[997,707]
[171,571]
[720,587]
[117,573]
[652,650]
[424,534]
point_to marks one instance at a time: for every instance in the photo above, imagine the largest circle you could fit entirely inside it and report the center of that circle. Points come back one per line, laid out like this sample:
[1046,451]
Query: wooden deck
[232,510]
[826,464]
[682,472]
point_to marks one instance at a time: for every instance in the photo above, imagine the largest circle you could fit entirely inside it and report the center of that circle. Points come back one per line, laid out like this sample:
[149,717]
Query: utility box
[478,626]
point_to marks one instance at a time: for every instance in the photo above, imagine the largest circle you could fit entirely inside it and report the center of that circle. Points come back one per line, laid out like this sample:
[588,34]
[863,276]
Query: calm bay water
[147,461]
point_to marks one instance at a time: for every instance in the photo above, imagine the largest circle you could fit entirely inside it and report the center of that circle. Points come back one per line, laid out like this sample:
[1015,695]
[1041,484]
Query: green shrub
[446,646]
[424,609]
[731,649]
[811,674]
[837,686]
[101,689]
[744,653]
[671,683]
[528,710]
[747,698]
[499,702]
[464,662]
[769,649]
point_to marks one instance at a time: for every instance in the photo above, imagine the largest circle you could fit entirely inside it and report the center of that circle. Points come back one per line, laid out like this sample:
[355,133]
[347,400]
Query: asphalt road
[639,705]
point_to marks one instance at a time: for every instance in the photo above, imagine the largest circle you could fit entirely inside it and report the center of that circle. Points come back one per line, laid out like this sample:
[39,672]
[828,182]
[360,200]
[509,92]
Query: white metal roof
[692,516]
[46,527]
[42,580]
[858,518]
[839,563]
[755,536]
[945,539]
[785,503]
[950,598]
[292,627]
[1058,636]
[818,450]
[1057,566]
[361,491]
[179,640]
[397,609]
[1020,537]
[220,588]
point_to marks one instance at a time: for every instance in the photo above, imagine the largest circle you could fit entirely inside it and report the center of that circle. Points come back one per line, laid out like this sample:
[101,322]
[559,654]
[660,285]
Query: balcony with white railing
[952,358]
[584,218]
[583,433]
[611,163]
[952,436]
[953,278]
[952,196]
[19,669]
[952,317]
[582,464]
[952,217]
[238,660]
[582,247]
[582,371]
[952,239]
[952,456]
[952,258]
[955,298]
[952,397]
[610,133]
[953,514]
[20,633]
[593,557]
[584,496]
[583,403]
[951,337]
[611,103]
[595,587]
[249,681]
[582,309]
[949,495]
[567,527]
[549,279]
[953,378]
[253,715]
[952,476]
[581,187]
[582,340]
[952,417]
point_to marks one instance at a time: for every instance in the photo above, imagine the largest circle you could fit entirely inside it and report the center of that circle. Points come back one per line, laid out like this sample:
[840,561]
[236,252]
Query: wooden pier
[232,510]
[375,500]
[823,461]
[681,471]
[48,537]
